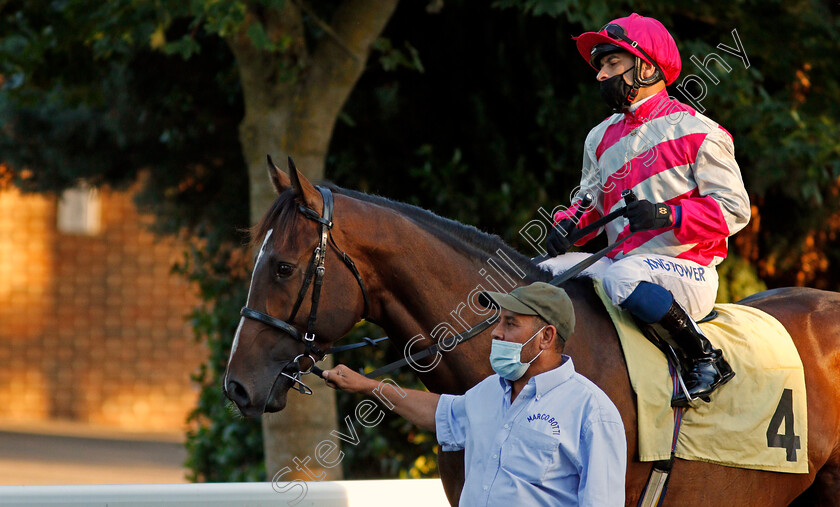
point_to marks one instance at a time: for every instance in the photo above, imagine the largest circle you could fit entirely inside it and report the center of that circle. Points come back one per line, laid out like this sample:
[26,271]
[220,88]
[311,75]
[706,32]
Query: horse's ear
[305,191]
[279,179]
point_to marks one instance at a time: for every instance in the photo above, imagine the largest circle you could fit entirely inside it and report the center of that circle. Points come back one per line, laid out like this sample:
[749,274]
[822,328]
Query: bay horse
[417,275]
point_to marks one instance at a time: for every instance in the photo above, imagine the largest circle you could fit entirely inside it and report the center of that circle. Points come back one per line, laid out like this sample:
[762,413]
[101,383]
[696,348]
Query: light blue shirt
[561,442]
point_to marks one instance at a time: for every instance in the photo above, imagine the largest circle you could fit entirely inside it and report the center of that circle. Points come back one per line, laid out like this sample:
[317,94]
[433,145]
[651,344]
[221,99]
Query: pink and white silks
[667,152]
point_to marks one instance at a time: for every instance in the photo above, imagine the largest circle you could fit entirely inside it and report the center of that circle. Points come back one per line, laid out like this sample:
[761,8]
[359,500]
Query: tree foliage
[89,95]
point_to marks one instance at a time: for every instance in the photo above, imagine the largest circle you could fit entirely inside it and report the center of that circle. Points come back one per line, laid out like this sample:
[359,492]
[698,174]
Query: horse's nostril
[237,393]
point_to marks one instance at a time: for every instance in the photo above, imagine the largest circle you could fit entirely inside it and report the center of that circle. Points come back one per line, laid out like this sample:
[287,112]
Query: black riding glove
[645,215]
[557,241]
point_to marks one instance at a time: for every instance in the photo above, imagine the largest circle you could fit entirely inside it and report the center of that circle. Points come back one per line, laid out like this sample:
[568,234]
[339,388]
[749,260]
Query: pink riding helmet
[644,37]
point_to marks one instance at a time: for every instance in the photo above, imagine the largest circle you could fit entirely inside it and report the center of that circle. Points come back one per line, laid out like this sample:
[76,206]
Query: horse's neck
[594,345]
[433,294]
[422,286]
[427,286]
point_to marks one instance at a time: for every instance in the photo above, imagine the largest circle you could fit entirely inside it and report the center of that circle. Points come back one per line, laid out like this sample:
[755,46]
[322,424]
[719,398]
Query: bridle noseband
[314,275]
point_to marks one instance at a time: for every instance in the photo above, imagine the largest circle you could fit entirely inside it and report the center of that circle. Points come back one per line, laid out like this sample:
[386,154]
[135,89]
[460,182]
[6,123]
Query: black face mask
[615,92]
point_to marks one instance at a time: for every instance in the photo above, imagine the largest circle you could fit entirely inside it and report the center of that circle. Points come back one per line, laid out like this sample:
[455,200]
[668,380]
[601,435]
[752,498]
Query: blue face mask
[506,358]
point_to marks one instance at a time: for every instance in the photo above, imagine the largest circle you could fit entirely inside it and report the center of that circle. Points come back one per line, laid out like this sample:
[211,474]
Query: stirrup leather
[700,367]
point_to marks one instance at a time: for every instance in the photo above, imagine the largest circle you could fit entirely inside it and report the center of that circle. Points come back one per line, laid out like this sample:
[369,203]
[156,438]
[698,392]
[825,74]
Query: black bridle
[314,276]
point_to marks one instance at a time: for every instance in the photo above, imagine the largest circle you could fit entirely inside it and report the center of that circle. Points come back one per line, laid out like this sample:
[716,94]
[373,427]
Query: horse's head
[296,308]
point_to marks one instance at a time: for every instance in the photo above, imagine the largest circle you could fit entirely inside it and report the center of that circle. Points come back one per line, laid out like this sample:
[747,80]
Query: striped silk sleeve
[589,182]
[720,206]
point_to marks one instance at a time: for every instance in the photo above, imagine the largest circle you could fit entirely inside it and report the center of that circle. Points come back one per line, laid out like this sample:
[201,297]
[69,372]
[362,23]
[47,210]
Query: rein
[579,234]
[575,270]
[458,339]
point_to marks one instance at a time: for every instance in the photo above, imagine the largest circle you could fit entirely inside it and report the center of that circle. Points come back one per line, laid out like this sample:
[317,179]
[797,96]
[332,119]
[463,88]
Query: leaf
[258,36]
[158,38]
[185,47]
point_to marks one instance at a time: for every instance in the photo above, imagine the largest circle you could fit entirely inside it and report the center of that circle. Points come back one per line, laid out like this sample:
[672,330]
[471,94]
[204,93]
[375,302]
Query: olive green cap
[540,298]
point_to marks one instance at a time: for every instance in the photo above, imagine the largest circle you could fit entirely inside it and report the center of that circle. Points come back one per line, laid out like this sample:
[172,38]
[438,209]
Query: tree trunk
[292,100]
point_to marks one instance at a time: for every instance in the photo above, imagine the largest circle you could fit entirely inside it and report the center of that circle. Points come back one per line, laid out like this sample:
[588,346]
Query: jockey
[691,196]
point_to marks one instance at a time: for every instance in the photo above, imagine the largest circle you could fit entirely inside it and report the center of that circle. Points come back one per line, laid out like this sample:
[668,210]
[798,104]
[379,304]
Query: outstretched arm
[416,406]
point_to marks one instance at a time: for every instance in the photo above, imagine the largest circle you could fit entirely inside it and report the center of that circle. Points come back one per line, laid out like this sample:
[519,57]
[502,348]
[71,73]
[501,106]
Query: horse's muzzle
[275,400]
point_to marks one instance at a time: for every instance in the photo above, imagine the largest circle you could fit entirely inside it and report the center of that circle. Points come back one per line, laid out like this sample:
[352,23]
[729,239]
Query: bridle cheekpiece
[314,276]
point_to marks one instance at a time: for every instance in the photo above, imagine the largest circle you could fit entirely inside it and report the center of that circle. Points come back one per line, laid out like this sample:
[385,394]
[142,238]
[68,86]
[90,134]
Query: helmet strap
[631,96]
[639,81]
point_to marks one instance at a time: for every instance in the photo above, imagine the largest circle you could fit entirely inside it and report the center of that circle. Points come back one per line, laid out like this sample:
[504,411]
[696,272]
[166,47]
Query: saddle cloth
[757,420]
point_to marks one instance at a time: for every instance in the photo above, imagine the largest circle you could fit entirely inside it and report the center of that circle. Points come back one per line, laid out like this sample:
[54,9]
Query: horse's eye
[285,270]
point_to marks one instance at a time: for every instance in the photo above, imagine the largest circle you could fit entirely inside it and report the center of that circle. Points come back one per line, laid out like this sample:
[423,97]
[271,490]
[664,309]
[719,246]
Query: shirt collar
[548,380]
[635,105]
[646,106]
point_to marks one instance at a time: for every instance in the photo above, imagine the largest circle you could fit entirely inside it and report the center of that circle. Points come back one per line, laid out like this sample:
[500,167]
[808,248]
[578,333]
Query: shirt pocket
[529,454]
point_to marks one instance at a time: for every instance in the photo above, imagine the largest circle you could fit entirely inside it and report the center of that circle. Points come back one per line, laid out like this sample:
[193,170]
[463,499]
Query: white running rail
[386,493]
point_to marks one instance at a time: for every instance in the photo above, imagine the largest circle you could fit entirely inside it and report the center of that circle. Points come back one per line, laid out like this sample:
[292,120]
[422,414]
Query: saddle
[759,420]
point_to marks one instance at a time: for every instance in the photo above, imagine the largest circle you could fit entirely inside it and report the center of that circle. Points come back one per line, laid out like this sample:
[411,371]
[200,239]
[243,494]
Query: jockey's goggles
[616,32]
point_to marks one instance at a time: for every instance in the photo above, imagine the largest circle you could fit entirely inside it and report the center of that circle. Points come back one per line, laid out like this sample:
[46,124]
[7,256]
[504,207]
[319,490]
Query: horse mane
[465,238]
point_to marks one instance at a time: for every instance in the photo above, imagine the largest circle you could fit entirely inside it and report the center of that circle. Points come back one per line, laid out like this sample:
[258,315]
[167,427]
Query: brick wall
[92,328]
[26,302]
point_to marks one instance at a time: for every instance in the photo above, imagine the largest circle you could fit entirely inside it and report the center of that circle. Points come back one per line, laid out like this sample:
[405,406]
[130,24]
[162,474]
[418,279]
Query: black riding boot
[703,367]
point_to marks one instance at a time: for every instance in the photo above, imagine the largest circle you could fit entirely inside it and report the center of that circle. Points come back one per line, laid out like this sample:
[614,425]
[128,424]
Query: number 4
[789,441]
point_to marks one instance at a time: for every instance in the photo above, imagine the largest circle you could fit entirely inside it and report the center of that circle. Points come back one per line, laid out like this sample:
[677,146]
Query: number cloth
[561,442]
[758,420]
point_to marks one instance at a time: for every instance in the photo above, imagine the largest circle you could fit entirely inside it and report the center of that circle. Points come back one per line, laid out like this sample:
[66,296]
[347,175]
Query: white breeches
[694,286]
